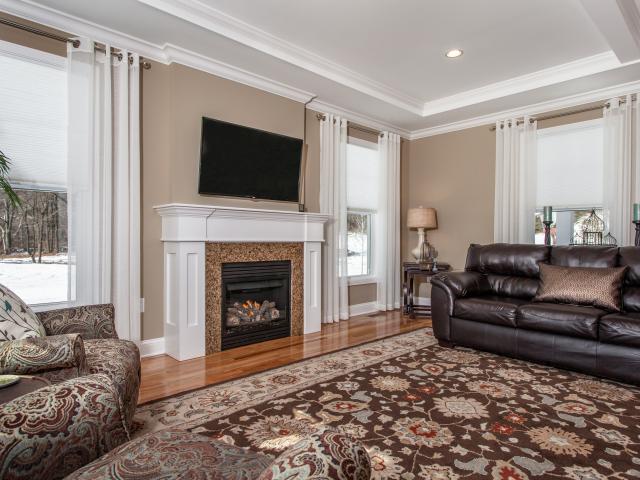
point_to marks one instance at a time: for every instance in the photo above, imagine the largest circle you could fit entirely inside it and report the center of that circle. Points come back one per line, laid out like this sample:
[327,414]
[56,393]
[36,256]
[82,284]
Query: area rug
[426,412]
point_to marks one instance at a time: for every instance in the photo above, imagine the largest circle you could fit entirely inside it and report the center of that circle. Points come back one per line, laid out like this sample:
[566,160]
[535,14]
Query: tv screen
[239,161]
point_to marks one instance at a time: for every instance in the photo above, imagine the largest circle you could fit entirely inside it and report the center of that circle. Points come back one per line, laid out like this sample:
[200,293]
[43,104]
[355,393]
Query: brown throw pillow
[598,287]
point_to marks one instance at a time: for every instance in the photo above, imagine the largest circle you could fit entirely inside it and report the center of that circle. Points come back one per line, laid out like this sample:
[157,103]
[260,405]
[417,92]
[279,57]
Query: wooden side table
[411,271]
[27,384]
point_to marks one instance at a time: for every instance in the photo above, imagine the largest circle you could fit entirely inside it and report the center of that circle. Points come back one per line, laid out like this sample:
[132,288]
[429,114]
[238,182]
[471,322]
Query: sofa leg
[445,344]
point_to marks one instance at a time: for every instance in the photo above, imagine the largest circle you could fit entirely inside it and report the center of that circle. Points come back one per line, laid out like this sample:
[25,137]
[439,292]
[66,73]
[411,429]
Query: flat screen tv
[237,161]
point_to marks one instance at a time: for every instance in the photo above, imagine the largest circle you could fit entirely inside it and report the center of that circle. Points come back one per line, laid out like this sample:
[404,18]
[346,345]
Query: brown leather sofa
[488,307]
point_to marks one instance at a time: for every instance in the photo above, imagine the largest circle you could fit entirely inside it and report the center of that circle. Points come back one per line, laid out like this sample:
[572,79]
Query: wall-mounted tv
[237,161]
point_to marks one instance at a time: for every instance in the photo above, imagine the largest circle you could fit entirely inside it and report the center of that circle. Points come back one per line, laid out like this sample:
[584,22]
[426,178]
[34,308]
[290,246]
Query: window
[569,178]
[362,205]
[33,135]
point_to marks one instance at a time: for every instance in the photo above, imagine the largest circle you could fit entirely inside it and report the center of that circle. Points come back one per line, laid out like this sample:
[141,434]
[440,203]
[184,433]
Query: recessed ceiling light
[454,53]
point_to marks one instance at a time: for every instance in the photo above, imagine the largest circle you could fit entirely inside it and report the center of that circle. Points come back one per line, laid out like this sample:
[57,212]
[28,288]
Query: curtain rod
[566,114]
[76,43]
[321,116]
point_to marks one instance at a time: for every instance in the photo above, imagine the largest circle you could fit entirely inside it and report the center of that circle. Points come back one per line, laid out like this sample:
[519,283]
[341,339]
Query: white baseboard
[363,308]
[151,347]
[422,300]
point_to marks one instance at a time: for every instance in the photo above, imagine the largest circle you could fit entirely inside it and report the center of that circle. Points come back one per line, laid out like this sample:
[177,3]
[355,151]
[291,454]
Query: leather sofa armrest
[335,455]
[55,430]
[43,354]
[462,284]
[447,287]
[90,321]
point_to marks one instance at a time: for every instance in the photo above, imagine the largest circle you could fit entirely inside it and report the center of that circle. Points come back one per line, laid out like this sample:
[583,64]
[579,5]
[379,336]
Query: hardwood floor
[163,376]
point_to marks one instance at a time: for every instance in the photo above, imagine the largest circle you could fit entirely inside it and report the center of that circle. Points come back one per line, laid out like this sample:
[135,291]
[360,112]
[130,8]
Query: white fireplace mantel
[185,230]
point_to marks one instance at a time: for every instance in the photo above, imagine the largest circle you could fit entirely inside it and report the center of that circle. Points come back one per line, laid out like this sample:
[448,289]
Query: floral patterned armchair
[53,431]
[79,341]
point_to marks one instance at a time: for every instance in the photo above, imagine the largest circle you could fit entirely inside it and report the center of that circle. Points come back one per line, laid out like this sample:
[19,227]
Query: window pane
[358,239]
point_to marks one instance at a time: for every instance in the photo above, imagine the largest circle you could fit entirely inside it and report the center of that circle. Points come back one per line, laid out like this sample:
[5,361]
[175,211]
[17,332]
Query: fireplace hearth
[256,302]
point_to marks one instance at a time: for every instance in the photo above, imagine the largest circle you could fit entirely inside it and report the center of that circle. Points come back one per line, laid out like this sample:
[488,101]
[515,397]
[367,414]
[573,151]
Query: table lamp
[422,219]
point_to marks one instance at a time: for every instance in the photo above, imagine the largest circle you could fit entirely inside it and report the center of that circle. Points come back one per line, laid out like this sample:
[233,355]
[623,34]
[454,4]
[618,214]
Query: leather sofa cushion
[584,256]
[620,329]
[488,309]
[630,257]
[571,320]
[631,298]
[506,259]
[510,286]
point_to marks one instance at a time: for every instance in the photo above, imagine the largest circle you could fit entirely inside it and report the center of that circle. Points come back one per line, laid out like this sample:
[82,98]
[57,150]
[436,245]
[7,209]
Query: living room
[339,240]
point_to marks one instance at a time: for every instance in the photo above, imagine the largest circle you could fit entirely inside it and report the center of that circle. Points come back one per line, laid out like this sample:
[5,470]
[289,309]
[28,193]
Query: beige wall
[453,173]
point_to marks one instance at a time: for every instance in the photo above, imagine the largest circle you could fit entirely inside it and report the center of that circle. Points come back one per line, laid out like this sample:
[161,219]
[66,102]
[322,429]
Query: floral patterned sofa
[77,428]
[79,341]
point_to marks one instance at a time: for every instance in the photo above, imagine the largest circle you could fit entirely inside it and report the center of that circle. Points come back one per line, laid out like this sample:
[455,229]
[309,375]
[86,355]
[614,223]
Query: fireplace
[256,302]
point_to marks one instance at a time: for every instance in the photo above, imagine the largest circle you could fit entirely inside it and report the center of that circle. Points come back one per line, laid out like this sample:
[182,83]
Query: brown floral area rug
[426,412]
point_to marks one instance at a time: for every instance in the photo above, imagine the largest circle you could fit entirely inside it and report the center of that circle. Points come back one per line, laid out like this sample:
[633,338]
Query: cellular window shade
[33,121]
[362,177]
[570,165]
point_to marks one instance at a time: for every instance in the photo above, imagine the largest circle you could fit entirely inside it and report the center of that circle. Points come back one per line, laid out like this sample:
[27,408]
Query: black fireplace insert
[256,302]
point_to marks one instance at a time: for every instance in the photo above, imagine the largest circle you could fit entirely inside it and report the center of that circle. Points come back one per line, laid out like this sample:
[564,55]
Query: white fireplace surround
[185,230]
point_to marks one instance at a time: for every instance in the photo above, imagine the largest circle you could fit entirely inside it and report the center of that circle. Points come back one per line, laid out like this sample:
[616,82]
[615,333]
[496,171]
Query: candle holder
[547,231]
[637,224]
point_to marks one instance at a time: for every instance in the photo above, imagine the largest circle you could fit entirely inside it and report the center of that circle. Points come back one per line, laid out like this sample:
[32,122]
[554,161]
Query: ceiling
[382,62]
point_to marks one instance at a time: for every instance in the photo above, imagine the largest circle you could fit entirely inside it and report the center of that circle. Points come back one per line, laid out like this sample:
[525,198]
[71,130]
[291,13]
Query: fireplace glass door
[255,302]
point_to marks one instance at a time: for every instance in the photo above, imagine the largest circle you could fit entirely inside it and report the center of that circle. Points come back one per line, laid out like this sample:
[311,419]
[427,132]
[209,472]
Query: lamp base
[417,252]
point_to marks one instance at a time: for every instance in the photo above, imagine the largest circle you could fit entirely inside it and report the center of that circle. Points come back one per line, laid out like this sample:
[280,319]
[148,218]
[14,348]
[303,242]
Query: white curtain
[515,189]
[388,248]
[104,181]
[333,201]
[620,175]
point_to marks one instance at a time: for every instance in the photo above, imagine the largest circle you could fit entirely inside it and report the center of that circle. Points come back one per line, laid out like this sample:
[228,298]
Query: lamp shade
[422,218]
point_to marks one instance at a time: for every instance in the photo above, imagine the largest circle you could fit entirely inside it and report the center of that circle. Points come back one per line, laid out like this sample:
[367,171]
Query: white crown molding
[542,78]
[166,53]
[533,109]
[214,20]
[358,118]
[175,54]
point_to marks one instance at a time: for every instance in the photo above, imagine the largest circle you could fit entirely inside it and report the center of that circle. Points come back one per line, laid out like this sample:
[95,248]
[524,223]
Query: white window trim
[362,143]
[32,55]
[569,127]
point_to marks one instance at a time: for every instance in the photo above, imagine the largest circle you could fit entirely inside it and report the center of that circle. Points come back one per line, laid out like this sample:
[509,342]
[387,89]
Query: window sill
[362,280]
[44,307]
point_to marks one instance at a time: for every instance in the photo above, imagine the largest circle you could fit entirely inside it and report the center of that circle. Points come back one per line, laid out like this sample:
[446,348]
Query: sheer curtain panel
[620,175]
[333,201]
[104,181]
[515,195]
[388,248]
